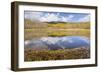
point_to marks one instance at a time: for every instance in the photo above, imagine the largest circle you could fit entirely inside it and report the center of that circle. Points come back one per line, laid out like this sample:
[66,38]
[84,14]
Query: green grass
[33,24]
[69,32]
[80,25]
[39,29]
[39,55]
[33,33]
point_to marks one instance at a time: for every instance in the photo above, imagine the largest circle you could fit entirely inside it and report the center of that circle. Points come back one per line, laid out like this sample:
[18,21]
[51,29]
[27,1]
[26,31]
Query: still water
[53,43]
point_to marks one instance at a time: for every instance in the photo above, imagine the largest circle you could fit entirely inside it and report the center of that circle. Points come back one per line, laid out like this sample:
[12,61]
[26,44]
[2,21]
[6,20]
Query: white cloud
[69,40]
[64,19]
[70,16]
[27,42]
[55,17]
[50,17]
[33,15]
[50,40]
[55,40]
[85,19]
[47,17]
[67,18]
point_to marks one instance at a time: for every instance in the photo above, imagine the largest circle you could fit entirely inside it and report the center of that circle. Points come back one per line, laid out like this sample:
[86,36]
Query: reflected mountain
[54,43]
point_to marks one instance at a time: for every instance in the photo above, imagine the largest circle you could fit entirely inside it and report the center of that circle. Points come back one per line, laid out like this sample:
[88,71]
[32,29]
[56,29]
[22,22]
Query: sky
[56,16]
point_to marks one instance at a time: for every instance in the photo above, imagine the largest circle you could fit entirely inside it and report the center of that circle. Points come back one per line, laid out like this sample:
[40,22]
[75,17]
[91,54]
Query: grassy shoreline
[42,29]
[45,55]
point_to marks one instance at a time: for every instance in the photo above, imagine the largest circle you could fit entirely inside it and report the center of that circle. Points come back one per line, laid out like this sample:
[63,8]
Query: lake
[53,43]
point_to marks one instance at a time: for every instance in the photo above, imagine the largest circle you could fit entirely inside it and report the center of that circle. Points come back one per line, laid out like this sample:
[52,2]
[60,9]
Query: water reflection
[52,43]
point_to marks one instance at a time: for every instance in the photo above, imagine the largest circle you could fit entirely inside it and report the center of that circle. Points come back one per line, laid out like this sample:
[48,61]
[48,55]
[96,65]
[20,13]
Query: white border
[23,64]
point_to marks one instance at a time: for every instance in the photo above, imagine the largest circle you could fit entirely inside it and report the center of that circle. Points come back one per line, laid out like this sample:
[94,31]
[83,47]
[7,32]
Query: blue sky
[57,16]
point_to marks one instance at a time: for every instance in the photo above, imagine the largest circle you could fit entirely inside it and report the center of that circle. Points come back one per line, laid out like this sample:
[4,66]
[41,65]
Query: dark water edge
[46,55]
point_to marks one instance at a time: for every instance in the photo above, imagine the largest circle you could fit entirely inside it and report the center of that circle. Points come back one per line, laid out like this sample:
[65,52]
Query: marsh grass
[69,32]
[36,29]
[42,55]
[70,25]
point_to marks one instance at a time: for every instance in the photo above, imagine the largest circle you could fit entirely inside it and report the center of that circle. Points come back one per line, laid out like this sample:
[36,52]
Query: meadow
[33,29]
[55,29]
